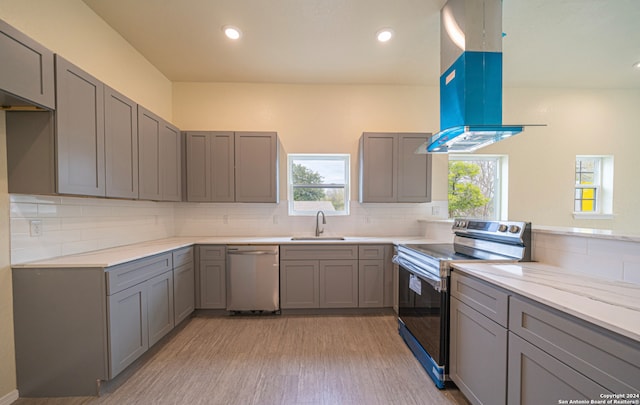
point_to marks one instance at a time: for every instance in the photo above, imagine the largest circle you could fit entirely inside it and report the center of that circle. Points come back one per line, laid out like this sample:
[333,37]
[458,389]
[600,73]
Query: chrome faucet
[324,222]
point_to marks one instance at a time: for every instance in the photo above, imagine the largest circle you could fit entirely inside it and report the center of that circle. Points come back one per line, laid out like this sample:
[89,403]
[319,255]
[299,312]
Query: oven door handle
[438,283]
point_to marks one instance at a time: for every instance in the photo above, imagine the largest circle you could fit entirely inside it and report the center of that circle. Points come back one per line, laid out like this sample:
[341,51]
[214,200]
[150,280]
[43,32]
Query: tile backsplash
[75,225]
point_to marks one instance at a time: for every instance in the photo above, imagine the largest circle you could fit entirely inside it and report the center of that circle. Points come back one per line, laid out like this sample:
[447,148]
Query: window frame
[501,180]
[346,160]
[602,185]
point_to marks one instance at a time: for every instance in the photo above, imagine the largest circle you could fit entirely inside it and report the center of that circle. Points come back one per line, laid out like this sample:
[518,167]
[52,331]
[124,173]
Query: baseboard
[10,398]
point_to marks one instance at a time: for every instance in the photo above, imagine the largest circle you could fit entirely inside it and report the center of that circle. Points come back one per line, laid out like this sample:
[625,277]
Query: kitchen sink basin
[317,238]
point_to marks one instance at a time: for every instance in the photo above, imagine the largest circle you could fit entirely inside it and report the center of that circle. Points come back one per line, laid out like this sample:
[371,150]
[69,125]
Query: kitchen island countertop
[613,305]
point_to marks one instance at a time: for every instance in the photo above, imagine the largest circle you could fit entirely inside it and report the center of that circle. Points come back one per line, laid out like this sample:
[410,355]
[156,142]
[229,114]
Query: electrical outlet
[275,220]
[435,210]
[35,227]
[225,219]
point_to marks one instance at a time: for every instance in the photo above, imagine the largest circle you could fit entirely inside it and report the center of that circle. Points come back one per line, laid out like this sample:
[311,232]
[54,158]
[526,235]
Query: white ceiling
[567,43]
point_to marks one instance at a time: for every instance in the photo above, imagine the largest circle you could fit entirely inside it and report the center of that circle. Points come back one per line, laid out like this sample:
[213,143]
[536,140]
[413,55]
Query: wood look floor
[305,360]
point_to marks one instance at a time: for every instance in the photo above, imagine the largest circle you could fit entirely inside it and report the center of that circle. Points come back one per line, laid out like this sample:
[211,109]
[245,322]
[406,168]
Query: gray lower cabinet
[579,356]
[478,340]
[211,277]
[77,326]
[27,74]
[338,283]
[535,377]
[373,277]
[299,284]
[231,166]
[159,158]
[79,131]
[390,171]
[184,292]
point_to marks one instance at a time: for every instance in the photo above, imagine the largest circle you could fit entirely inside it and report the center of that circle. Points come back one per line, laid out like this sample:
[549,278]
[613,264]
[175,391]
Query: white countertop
[613,305]
[118,255]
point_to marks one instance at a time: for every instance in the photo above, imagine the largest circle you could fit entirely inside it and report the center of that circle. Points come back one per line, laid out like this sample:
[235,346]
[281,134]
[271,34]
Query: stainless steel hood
[471,78]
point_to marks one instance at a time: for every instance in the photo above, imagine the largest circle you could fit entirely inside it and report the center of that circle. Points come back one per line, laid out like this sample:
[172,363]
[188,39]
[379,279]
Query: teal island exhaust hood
[471,78]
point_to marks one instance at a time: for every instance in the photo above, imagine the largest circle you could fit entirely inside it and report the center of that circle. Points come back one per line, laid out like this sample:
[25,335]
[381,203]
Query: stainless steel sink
[317,238]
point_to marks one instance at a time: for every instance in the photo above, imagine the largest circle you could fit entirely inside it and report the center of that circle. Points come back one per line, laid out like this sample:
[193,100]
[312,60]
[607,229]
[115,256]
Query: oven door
[423,309]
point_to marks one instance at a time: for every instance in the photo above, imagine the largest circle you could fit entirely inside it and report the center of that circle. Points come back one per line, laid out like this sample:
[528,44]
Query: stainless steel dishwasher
[253,278]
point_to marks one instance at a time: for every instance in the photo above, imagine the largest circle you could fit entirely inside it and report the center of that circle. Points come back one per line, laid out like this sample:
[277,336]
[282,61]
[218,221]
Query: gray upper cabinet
[210,166]
[256,162]
[26,76]
[231,167]
[390,171]
[79,131]
[158,158]
[121,145]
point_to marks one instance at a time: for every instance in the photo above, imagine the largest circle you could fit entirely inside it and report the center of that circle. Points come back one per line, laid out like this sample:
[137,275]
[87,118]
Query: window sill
[589,215]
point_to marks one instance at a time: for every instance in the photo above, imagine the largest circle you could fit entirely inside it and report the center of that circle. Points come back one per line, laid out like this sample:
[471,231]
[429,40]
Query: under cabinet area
[78,326]
[231,166]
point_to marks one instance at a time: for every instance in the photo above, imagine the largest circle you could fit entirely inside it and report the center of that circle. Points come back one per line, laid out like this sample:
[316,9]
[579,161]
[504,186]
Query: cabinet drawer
[608,359]
[182,256]
[132,273]
[212,252]
[483,297]
[371,252]
[318,252]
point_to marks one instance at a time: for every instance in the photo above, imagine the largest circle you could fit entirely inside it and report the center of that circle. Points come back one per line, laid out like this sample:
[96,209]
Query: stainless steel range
[423,273]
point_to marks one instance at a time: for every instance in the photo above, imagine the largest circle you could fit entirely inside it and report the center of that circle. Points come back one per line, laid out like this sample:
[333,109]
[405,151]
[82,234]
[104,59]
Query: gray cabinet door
[536,377]
[27,70]
[478,355]
[256,167]
[198,166]
[183,292]
[170,163]
[79,131]
[338,283]
[222,172]
[414,171]
[128,327]
[299,284]
[121,145]
[149,155]
[378,167]
[371,283]
[160,306]
[213,286]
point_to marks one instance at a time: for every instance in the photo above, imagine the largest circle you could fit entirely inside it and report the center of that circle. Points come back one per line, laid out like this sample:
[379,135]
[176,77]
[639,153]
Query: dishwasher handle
[251,252]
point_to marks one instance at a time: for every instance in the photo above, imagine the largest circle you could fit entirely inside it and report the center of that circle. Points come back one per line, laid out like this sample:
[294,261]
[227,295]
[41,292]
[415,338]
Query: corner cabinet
[159,158]
[390,171]
[27,74]
[231,166]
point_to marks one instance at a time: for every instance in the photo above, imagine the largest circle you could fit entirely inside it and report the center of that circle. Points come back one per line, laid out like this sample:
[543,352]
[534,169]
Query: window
[593,194]
[478,186]
[318,183]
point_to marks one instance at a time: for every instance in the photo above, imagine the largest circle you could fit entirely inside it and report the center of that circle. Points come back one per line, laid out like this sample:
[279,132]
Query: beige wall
[311,118]
[70,28]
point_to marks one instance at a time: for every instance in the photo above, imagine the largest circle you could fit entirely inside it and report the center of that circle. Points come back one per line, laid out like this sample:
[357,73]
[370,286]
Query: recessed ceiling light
[232,32]
[384,35]
[637,65]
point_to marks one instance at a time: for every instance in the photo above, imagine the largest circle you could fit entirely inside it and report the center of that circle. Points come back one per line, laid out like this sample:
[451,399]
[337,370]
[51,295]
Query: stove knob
[514,229]
[503,228]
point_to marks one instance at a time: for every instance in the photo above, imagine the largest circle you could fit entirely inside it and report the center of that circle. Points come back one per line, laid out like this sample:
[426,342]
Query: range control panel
[483,228]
